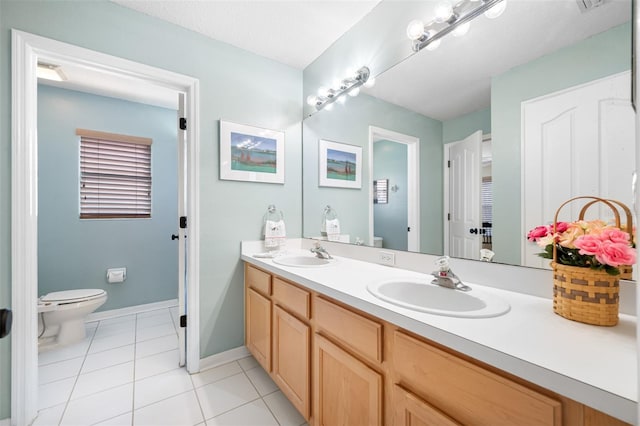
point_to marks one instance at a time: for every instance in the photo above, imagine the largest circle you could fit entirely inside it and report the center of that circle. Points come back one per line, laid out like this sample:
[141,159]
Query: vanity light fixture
[451,17]
[349,85]
[50,72]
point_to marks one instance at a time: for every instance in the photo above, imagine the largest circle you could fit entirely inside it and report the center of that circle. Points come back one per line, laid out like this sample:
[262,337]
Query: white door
[578,141]
[182,235]
[465,185]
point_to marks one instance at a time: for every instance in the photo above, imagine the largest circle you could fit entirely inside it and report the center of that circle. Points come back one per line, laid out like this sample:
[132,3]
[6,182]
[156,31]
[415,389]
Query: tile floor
[126,373]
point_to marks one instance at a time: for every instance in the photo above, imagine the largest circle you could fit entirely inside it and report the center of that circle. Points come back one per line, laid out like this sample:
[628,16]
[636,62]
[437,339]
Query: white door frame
[26,50]
[413,181]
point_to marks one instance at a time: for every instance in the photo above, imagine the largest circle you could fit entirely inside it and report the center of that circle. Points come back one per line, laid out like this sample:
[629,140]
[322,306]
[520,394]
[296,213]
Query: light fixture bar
[454,22]
[347,85]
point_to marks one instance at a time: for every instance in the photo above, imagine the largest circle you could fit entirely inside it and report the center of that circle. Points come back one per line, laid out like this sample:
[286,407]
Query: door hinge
[183,321]
[448,164]
[183,123]
[183,222]
[408,229]
[448,216]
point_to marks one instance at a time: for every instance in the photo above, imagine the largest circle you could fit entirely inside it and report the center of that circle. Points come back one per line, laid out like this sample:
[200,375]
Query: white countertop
[593,365]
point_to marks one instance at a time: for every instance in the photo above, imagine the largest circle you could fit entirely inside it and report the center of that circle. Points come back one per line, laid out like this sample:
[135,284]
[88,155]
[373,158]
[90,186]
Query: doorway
[408,168]
[27,51]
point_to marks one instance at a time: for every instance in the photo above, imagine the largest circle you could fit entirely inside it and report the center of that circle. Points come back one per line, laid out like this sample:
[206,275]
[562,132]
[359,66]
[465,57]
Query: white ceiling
[291,32]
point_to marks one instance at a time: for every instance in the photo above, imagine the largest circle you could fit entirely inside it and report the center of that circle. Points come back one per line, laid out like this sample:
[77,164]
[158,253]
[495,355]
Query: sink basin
[426,297]
[301,261]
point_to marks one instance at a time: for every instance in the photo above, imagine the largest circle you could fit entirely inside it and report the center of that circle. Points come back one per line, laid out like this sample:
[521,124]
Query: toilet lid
[84,293]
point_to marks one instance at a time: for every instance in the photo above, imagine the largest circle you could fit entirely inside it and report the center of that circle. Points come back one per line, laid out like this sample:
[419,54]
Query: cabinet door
[409,410]
[291,358]
[258,327]
[346,391]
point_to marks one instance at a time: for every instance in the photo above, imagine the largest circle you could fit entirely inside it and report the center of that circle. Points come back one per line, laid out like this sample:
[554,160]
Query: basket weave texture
[584,294]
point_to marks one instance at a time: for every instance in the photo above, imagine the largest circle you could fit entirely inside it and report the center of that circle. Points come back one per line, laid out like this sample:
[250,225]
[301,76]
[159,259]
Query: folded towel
[274,233]
[332,227]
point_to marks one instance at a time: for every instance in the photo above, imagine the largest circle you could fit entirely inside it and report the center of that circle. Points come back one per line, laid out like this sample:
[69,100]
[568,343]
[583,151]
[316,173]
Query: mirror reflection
[483,138]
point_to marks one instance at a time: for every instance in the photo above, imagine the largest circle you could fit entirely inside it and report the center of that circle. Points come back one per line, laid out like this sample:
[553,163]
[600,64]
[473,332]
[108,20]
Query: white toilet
[63,315]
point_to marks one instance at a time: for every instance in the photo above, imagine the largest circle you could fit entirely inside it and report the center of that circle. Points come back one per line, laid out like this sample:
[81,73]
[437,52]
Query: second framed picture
[340,165]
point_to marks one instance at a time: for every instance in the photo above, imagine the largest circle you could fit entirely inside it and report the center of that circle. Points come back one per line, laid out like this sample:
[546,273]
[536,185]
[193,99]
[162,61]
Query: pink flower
[588,244]
[615,235]
[574,231]
[561,227]
[616,254]
[538,232]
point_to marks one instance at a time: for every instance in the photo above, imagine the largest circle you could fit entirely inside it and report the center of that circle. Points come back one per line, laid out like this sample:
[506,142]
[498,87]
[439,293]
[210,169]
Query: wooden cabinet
[466,392]
[258,327]
[346,391]
[410,410]
[292,358]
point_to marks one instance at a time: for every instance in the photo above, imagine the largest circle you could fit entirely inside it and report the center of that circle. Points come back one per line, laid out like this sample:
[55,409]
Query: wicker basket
[583,294]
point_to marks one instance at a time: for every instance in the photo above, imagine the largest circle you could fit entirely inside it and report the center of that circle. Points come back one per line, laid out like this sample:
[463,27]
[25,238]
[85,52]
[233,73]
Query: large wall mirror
[479,140]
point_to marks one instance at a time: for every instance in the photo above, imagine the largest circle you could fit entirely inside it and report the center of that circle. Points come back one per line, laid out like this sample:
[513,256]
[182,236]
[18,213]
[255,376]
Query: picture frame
[251,154]
[339,164]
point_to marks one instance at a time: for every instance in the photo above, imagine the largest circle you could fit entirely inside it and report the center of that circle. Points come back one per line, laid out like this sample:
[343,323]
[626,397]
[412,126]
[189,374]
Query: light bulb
[312,100]
[341,99]
[496,10]
[370,82]
[329,107]
[415,29]
[354,91]
[433,45]
[461,29]
[351,74]
[443,11]
[323,92]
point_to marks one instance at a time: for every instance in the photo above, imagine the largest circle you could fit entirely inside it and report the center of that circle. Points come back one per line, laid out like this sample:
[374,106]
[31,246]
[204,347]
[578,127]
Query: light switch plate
[387,258]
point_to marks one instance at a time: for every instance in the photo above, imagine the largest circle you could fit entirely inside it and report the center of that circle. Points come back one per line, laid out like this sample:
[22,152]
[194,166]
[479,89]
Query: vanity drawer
[257,279]
[467,392]
[291,297]
[353,330]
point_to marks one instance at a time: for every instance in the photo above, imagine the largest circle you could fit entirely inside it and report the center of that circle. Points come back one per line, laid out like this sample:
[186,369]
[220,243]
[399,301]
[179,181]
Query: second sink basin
[426,297]
[301,261]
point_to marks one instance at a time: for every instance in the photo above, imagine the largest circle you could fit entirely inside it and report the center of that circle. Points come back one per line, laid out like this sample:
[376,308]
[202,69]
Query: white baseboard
[113,313]
[5,422]
[223,357]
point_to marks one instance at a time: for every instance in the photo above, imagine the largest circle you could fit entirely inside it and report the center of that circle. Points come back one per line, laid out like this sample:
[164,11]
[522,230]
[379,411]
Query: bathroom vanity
[342,356]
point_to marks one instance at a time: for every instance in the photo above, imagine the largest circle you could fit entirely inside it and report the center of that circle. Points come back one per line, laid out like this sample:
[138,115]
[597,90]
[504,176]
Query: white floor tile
[103,379]
[156,364]
[285,412]
[161,386]
[49,416]
[155,320]
[99,406]
[214,374]
[154,313]
[55,393]
[254,413]
[116,320]
[180,410]
[225,395]
[248,363]
[108,358]
[113,329]
[261,381]
[59,370]
[111,342]
[63,353]
[123,420]
[152,332]
[157,345]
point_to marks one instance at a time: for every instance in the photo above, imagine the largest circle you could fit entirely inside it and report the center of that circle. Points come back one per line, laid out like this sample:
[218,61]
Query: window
[115,175]
[487,201]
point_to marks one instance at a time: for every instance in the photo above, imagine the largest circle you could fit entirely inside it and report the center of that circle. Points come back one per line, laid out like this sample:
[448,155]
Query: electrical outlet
[386,258]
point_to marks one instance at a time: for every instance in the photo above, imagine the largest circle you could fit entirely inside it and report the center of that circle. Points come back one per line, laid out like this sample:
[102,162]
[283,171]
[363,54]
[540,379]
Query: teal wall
[349,124]
[390,220]
[459,128]
[235,85]
[75,253]
[604,54]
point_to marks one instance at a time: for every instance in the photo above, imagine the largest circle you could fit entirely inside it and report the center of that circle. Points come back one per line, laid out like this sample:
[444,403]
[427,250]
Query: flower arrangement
[588,244]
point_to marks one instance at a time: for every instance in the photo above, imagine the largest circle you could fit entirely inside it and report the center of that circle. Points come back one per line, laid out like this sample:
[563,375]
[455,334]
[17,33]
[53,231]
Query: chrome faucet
[445,277]
[320,252]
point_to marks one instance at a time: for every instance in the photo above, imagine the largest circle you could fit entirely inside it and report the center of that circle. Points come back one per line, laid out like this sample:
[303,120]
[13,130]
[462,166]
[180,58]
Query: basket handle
[626,210]
[582,212]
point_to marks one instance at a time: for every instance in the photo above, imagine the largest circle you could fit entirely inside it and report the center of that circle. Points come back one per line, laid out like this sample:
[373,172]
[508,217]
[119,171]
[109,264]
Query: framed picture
[251,154]
[340,165]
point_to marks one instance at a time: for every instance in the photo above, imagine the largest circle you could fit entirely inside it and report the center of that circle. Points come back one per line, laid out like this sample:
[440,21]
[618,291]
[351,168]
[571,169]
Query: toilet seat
[72,296]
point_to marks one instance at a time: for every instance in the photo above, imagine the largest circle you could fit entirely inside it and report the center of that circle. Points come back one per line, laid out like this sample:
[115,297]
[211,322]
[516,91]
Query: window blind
[115,176]
[487,200]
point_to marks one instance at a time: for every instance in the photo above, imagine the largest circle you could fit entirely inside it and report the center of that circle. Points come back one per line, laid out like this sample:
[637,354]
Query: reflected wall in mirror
[518,81]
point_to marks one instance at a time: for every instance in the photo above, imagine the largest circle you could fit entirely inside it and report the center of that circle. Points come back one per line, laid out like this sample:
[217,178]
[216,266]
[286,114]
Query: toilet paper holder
[116,275]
